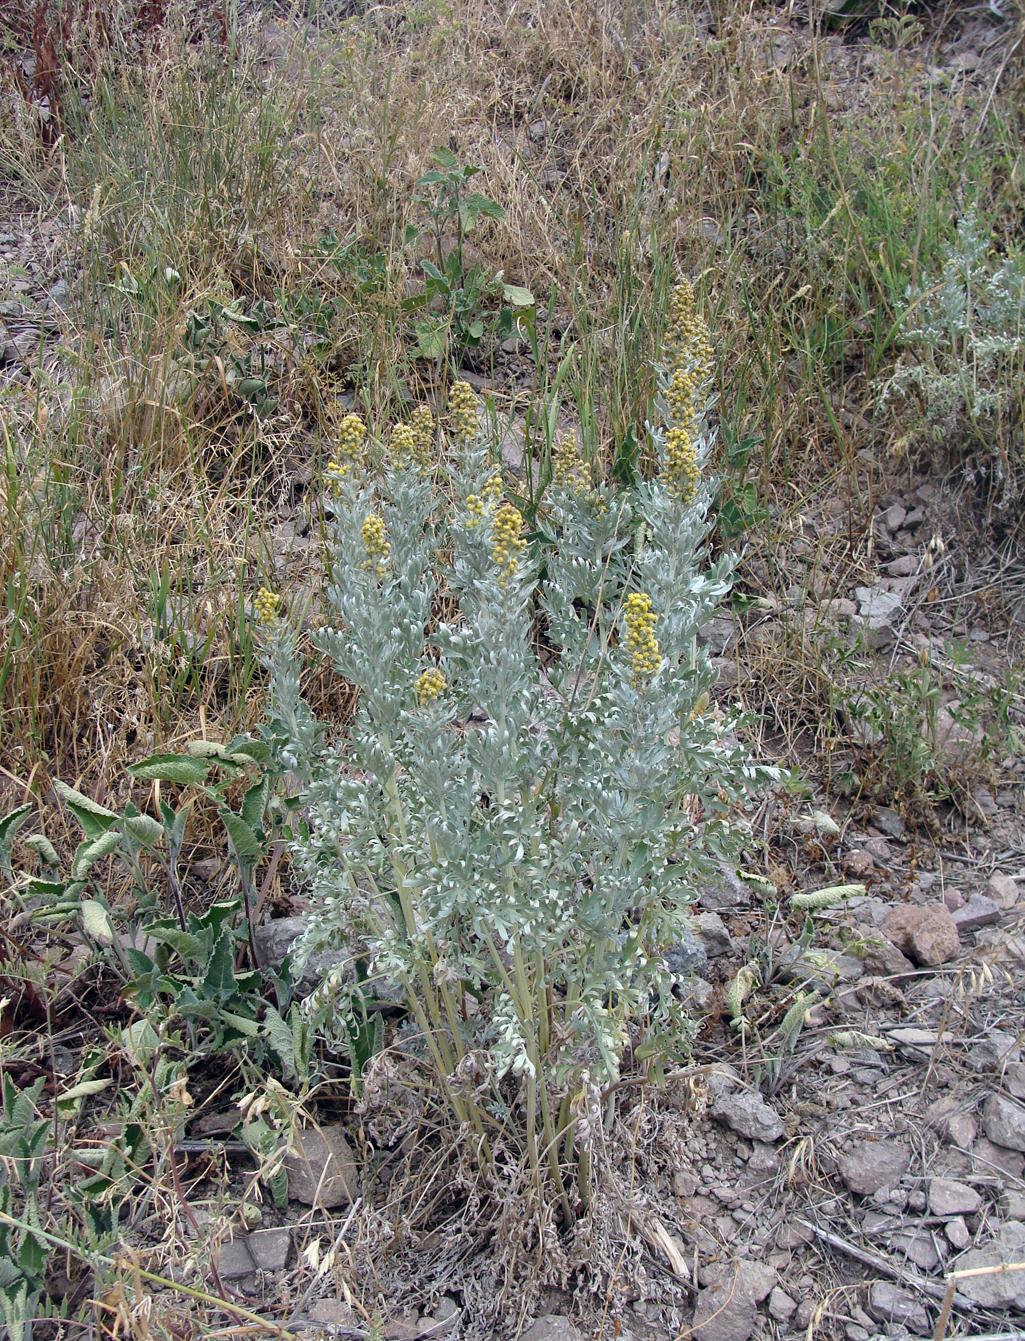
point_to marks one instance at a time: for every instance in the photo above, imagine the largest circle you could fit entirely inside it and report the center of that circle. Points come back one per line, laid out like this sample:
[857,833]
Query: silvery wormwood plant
[960,377]
[512,828]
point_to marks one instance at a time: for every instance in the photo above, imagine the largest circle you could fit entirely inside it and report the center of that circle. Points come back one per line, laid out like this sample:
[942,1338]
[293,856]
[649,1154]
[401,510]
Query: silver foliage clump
[515,822]
[960,379]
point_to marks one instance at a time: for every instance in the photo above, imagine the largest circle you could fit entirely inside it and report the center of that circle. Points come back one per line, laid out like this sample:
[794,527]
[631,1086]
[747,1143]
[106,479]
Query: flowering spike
[463,412]
[351,434]
[430,685]
[375,541]
[641,643]
[507,541]
[682,471]
[569,470]
[266,603]
[421,423]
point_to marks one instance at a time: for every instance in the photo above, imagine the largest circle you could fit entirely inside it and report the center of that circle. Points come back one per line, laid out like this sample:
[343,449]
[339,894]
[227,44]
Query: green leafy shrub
[512,829]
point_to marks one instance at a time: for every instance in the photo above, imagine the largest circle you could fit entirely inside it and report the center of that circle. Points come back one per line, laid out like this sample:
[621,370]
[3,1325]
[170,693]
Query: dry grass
[799,174]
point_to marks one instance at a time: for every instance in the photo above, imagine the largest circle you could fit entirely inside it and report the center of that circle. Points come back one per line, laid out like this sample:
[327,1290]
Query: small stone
[890,823]
[1012,1203]
[687,956]
[989,1158]
[961,1130]
[871,1165]
[278,938]
[322,1168]
[881,957]
[748,1115]
[1000,1289]
[918,1247]
[875,603]
[1004,891]
[947,1197]
[685,1183]
[1004,1122]
[894,517]
[331,1312]
[551,1327]
[889,1303]
[926,933]
[726,890]
[727,1309]
[234,1260]
[957,1233]
[979,911]
[993,1052]
[269,1248]
[904,565]
[712,933]
[1014,1079]
[406,1327]
[781,1306]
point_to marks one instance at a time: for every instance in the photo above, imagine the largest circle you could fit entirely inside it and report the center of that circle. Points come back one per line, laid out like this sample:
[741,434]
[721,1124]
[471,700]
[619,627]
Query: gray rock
[994,1052]
[948,1197]
[234,1260]
[278,938]
[748,1115]
[1001,1289]
[719,634]
[904,565]
[712,933]
[917,1246]
[726,890]
[696,993]
[875,603]
[781,1306]
[1004,1122]
[871,1165]
[889,1303]
[979,911]
[332,1312]
[552,1327]
[893,517]
[957,1233]
[1014,1078]
[687,956]
[989,1158]
[269,1248]
[1012,1203]
[890,823]
[1003,891]
[322,1169]
[727,1310]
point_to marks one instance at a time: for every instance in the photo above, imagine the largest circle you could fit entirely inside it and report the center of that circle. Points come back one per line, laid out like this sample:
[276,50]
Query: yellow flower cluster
[569,469]
[375,541]
[351,433]
[641,643]
[478,504]
[689,354]
[430,685]
[507,541]
[682,471]
[463,408]
[403,444]
[421,421]
[686,338]
[266,603]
